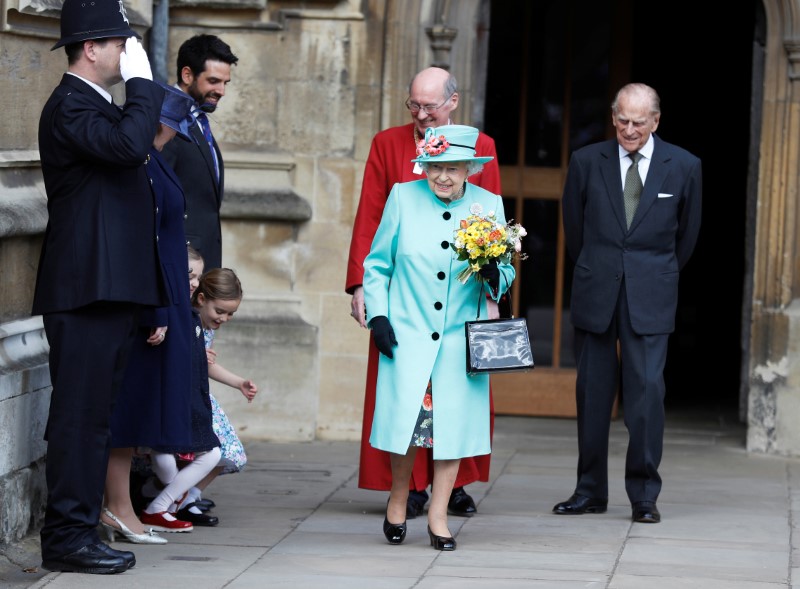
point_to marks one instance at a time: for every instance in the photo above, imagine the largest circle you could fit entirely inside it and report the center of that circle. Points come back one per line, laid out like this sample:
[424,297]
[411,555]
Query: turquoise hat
[451,143]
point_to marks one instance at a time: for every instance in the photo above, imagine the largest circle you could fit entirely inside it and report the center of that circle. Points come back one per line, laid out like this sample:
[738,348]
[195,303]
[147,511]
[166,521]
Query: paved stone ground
[296,519]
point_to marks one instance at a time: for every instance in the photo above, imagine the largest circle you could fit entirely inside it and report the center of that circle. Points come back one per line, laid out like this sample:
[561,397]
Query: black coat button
[445,245]
[437,305]
[446,215]
[434,336]
[441,276]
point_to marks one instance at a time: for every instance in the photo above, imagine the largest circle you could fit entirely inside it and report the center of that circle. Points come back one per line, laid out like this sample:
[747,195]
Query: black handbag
[497,345]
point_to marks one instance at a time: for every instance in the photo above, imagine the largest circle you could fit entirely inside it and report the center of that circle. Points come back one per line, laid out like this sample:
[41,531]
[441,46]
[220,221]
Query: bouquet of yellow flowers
[481,239]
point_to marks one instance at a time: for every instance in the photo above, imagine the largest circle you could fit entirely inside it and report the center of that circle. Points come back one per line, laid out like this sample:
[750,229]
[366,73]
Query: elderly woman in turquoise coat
[417,307]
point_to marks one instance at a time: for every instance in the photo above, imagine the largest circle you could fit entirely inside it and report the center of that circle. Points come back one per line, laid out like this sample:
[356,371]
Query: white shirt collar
[103,92]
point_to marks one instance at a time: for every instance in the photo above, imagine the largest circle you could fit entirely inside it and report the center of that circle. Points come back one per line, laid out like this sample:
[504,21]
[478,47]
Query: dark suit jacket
[194,165]
[99,244]
[649,255]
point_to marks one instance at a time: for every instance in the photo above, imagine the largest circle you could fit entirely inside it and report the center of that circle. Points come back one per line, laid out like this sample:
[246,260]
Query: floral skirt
[233,455]
[423,432]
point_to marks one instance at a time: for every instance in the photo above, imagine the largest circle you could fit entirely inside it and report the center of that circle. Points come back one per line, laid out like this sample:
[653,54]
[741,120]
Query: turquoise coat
[410,277]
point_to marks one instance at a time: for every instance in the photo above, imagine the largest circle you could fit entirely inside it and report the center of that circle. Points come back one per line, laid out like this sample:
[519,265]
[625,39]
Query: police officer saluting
[98,265]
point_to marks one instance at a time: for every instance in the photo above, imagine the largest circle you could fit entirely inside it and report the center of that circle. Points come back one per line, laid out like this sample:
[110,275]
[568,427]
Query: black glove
[491,274]
[383,334]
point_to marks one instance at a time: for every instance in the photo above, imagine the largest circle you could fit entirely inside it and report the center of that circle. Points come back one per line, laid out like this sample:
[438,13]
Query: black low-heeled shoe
[395,533]
[441,542]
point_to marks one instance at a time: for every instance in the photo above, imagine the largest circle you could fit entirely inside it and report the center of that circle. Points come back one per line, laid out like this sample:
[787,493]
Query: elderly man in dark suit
[631,209]
[204,70]
[98,265]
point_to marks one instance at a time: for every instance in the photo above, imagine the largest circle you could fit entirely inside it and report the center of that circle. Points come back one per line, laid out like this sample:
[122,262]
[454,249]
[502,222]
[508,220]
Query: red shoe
[164,521]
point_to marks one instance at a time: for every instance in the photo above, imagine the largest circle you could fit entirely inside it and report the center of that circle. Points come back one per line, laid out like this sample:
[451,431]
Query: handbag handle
[482,294]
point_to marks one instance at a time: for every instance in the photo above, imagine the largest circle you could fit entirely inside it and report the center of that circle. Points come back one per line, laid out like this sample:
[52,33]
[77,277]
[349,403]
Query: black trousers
[640,368]
[88,354]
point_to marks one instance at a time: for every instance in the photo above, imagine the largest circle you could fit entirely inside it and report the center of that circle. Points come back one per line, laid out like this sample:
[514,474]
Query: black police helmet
[93,19]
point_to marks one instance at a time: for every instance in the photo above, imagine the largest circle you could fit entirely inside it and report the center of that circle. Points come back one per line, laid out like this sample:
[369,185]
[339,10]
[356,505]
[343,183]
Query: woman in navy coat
[153,406]
[416,308]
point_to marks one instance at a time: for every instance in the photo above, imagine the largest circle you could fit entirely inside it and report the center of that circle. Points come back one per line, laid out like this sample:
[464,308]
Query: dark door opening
[553,69]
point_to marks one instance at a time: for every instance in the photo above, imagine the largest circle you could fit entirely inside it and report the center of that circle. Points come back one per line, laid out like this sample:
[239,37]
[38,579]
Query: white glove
[133,62]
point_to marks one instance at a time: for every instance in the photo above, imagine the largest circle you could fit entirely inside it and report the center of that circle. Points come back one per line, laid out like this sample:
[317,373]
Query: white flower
[492,214]
[459,243]
[476,208]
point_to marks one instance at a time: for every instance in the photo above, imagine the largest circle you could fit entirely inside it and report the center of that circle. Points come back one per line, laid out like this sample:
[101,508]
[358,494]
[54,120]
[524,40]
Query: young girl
[216,297]
[161,513]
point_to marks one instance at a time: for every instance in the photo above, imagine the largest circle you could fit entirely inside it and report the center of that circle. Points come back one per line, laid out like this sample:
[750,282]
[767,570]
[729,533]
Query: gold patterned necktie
[633,187]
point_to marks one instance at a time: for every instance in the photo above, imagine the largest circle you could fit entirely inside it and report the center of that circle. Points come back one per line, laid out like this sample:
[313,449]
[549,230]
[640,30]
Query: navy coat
[153,405]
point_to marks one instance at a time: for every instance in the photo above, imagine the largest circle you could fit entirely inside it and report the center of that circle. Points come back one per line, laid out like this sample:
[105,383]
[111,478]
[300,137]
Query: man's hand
[383,334]
[133,62]
[357,309]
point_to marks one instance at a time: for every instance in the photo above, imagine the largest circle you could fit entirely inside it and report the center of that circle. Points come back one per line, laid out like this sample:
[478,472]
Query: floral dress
[233,455]
[423,432]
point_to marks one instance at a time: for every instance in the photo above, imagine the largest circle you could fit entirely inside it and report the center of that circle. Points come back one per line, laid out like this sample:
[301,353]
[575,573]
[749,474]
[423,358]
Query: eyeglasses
[428,108]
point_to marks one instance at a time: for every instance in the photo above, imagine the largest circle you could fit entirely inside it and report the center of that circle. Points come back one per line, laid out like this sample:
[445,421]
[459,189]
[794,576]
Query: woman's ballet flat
[395,533]
[441,542]
[149,536]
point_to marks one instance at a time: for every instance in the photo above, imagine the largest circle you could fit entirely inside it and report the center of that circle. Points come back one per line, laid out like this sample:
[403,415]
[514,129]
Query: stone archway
[773,395]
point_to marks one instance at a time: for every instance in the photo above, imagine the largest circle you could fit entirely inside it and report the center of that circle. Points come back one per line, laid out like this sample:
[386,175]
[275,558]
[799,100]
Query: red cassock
[389,162]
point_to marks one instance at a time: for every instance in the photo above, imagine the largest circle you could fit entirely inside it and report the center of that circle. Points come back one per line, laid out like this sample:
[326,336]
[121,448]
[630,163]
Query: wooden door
[553,67]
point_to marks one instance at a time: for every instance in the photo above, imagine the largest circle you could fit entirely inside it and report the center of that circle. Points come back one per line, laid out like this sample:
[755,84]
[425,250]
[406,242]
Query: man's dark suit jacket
[649,255]
[194,165]
[99,244]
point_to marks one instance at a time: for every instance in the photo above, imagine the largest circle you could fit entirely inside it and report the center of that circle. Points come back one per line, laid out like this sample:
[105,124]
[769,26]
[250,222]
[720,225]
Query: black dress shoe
[416,503]
[461,504]
[198,519]
[646,513]
[126,555]
[578,504]
[441,542]
[205,504]
[395,533]
[197,505]
[90,559]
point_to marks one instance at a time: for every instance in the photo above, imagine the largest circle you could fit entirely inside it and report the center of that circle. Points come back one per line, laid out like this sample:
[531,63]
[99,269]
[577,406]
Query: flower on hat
[432,146]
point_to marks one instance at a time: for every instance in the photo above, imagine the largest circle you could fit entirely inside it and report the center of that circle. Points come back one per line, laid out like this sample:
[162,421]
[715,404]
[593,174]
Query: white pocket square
[664,195]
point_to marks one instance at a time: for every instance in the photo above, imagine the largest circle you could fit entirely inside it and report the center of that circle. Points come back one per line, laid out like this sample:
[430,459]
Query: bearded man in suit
[204,70]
